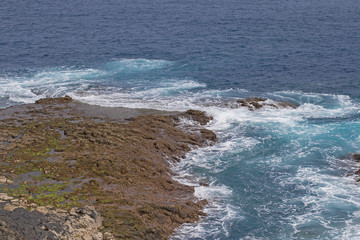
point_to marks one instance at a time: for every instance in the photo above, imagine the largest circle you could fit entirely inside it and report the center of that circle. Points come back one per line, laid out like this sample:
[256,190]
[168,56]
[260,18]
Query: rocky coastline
[75,171]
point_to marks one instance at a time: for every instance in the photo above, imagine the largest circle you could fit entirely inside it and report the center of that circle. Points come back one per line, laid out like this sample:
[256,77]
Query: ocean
[274,173]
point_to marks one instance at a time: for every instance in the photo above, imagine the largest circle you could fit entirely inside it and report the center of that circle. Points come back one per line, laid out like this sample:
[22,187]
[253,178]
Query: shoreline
[110,166]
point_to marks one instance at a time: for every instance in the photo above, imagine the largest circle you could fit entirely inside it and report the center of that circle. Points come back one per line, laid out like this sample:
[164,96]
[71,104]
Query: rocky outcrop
[60,100]
[256,103]
[56,155]
[197,116]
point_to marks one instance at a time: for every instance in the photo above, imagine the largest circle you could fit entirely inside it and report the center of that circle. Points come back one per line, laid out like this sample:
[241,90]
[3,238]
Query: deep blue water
[275,174]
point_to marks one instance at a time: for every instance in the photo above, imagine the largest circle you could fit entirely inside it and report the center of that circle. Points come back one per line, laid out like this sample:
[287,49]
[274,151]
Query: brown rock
[119,170]
[60,100]
[198,116]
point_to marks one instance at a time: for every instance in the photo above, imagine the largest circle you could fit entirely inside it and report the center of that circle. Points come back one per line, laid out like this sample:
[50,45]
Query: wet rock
[350,161]
[198,116]
[209,135]
[252,103]
[287,105]
[257,103]
[356,157]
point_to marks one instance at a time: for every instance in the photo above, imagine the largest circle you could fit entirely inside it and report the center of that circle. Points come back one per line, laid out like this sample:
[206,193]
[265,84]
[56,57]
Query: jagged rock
[198,116]
[256,103]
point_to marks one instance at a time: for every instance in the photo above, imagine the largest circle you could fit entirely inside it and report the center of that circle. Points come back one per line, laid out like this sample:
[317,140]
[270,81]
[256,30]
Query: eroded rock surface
[53,154]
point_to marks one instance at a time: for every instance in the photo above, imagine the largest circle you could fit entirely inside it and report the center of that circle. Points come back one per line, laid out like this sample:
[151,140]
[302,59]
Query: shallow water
[274,174]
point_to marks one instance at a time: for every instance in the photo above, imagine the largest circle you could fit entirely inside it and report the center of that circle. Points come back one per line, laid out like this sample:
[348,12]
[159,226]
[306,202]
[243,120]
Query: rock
[59,100]
[4,180]
[198,116]
[252,103]
[356,157]
[204,183]
[257,103]
[287,105]
[108,236]
[7,232]
[113,175]
[51,224]
[5,197]
[209,135]
[353,157]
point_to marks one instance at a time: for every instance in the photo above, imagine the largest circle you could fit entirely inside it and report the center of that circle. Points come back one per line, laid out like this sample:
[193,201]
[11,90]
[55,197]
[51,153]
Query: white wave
[331,203]
[166,95]
[224,118]
[319,105]
[317,111]
[220,214]
[55,82]
[134,65]
[62,76]
[47,83]
[215,226]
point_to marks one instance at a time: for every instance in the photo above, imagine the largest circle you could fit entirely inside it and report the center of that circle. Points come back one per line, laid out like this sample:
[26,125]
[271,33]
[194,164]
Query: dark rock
[22,224]
[257,103]
[356,157]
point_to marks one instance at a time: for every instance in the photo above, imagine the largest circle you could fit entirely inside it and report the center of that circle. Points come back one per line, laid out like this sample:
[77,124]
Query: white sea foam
[138,64]
[166,95]
[332,204]
[47,83]
[55,82]
[220,215]
[316,105]
[302,141]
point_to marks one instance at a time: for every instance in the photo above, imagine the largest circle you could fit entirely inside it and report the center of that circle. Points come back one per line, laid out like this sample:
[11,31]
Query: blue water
[274,174]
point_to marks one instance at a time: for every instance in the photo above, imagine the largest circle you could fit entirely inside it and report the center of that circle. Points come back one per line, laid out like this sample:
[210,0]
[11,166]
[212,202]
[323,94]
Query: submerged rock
[65,165]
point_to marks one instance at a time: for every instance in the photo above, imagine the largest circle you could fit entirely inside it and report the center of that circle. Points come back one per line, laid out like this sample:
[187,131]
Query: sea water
[274,173]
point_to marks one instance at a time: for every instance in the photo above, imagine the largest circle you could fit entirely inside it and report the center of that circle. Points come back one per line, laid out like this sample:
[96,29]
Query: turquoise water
[275,173]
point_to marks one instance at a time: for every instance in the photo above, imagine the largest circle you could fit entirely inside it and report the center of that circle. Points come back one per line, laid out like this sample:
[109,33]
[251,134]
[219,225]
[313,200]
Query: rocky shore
[75,171]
